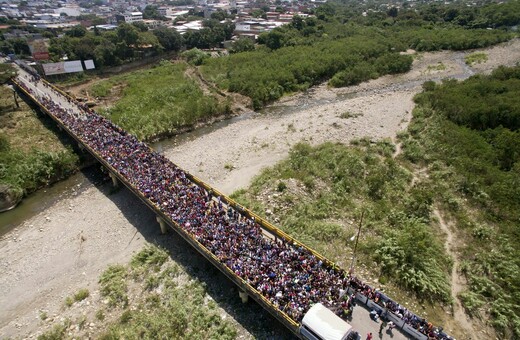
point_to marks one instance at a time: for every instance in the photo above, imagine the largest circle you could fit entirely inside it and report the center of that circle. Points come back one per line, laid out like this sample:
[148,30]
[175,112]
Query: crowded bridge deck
[280,273]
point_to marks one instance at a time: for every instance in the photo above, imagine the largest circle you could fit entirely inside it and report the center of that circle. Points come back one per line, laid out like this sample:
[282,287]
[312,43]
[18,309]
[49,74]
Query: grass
[325,189]
[113,286]
[69,301]
[152,298]
[476,184]
[437,67]
[349,114]
[57,332]
[476,58]
[158,101]
[43,315]
[101,89]
[31,152]
[81,295]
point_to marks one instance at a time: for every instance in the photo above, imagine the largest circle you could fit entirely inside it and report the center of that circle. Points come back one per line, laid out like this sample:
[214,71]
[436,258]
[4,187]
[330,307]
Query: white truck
[320,323]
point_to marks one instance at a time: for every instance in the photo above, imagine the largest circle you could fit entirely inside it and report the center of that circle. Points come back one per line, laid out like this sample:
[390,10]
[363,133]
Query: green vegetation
[266,75]
[341,46]
[170,308]
[113,286]
[349,114]
[43,315]
[464,137]
[476,58]
[437,67]
[178,311]
[57,332]
[331,184]
[159,101]
[195,56]
[467,134]
[31,155]
[69,301]
[150,298]
[81,295]
[7,71]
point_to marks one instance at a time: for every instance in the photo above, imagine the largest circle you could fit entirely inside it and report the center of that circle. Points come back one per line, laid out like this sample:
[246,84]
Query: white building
[130,17]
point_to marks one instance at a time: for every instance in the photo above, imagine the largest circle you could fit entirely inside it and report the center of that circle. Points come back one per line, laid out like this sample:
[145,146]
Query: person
[369,336]
[383,325]
[391,326]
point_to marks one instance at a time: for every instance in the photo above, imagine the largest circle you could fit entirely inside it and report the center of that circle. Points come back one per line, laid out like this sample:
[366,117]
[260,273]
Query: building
[129,17]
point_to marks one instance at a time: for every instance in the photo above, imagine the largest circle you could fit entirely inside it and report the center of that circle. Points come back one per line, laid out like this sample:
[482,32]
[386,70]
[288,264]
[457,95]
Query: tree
[141,26]
[77,31]
[84,48]
[20,46]
[258,13]
[152,12]
[273,40]
[7,71]
[169,38]
[219,15]
[298,22]
[242,45]
[148,40]
[105,54]
[392,12]
[128,34]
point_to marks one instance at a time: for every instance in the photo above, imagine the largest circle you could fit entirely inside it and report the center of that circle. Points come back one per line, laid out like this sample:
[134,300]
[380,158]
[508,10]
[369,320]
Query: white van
[320,323]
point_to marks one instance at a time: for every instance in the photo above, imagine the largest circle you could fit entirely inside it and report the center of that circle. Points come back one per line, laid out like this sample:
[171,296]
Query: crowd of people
[286,274]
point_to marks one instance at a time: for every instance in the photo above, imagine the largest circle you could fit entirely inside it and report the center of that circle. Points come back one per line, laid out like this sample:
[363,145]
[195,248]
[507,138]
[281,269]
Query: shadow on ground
[257,321]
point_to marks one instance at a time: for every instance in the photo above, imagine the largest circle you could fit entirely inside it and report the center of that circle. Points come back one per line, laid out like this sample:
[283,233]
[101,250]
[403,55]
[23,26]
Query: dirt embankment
[65,248]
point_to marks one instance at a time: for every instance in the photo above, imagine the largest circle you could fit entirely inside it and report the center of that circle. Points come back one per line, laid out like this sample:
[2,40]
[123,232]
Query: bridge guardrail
[242,284]
[276,232]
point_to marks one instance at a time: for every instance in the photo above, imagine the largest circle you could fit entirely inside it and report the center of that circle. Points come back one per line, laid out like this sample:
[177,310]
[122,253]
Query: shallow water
[43,199]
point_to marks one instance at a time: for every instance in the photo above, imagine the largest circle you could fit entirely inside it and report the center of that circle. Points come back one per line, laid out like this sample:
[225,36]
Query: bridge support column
[115,181]
[162,224]
[243,295]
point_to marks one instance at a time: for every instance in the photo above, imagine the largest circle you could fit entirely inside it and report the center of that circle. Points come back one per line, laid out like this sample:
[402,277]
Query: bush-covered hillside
[467,134]
[158,101]
[470,174]
[31,155]
[341,45]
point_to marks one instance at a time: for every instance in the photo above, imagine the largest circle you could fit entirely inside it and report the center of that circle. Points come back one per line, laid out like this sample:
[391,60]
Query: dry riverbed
[65,248]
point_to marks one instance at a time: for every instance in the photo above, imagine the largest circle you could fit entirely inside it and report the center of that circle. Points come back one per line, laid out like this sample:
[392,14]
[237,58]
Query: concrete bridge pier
[243,295]
[162,224]
[115,180]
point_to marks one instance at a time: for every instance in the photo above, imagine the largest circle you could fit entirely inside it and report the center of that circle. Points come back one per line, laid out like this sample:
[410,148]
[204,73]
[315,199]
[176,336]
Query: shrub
[81,295]
[113,285]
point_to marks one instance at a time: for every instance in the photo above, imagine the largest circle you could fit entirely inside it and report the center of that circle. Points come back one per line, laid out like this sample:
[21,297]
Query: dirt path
[457,281]
[44,260]
[239,103]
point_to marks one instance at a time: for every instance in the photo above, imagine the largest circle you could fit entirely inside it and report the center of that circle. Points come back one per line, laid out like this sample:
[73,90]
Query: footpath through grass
[463,145]
[317,195]
[158,101]
[468,135]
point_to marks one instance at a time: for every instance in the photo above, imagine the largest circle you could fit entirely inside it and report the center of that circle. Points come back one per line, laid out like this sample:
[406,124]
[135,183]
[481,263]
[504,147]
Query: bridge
[281,274]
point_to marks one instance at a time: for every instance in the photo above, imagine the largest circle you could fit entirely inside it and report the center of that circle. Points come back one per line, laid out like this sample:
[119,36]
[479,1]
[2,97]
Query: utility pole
[14,96]
[352,264]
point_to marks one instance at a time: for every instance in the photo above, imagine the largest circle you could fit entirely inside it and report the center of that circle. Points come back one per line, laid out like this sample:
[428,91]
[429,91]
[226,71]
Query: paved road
[362,323]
